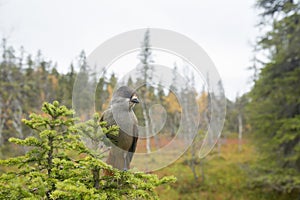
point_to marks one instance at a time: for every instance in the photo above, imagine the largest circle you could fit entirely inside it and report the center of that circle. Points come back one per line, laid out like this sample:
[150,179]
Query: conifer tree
[274,100]
[59,165]
[145,57]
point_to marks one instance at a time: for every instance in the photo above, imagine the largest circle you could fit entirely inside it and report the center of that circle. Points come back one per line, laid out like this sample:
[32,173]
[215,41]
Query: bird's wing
[123,140]
[132,148]
[108,117]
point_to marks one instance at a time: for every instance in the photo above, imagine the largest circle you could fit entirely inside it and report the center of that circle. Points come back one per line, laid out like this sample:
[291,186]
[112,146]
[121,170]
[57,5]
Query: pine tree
[59,165]
[145,57]
[274,110]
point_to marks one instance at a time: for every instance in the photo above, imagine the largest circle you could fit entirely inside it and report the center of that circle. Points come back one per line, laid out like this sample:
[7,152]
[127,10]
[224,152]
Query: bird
[121,113]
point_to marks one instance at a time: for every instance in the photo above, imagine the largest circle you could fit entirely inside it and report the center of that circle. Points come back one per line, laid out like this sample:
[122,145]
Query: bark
[147,127]
[202,170]
[2,120]
[193,163]
[240,123]
[17,118]
[96,177]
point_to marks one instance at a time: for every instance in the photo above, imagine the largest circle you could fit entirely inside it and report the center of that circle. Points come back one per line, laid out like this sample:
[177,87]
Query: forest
[256,157]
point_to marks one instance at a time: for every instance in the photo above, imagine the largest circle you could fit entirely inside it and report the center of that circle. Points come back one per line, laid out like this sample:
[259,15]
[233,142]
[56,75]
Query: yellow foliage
[172,103]
[203,102]
[110,93]
[54,81]
[42,96]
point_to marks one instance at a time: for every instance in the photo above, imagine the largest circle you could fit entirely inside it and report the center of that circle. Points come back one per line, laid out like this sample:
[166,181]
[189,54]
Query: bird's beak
[134,99]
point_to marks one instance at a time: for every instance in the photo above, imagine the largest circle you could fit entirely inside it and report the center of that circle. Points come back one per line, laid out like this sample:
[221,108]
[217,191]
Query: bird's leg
[125,161]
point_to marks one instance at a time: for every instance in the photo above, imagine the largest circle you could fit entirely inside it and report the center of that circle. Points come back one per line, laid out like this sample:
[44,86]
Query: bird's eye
[134,99]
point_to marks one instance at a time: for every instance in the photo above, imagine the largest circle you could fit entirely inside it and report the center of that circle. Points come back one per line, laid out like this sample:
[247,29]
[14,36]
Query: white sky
[62,28]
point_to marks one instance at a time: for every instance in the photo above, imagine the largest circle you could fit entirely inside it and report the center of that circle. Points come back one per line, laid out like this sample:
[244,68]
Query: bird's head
[126,97]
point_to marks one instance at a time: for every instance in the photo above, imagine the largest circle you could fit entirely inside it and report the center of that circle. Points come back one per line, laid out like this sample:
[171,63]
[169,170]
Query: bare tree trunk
[156,138]
[202,170]
[17,118]
[4,116]
[192,163]
[2,120]
[219,146]
[240,122]
[147,125]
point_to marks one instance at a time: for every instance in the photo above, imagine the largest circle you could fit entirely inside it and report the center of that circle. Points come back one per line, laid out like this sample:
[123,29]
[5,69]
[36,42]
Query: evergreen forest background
[258,154]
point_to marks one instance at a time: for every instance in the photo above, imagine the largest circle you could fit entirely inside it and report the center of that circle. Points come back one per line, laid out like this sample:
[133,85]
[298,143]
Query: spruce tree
[59,166]
[274,109]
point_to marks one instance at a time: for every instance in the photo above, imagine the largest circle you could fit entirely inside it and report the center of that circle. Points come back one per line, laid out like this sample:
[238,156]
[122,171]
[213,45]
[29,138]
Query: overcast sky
[62,28]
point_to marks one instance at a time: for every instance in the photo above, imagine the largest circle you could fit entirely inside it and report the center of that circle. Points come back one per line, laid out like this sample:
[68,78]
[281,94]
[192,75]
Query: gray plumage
[120,113]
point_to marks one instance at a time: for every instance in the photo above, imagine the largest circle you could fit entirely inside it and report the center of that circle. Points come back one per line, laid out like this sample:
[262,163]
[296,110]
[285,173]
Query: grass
[225,176]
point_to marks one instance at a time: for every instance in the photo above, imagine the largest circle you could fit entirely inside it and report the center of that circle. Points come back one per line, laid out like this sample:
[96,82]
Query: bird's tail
[116,160]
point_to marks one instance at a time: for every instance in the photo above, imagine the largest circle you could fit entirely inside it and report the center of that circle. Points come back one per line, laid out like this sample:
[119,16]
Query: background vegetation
[258,155]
